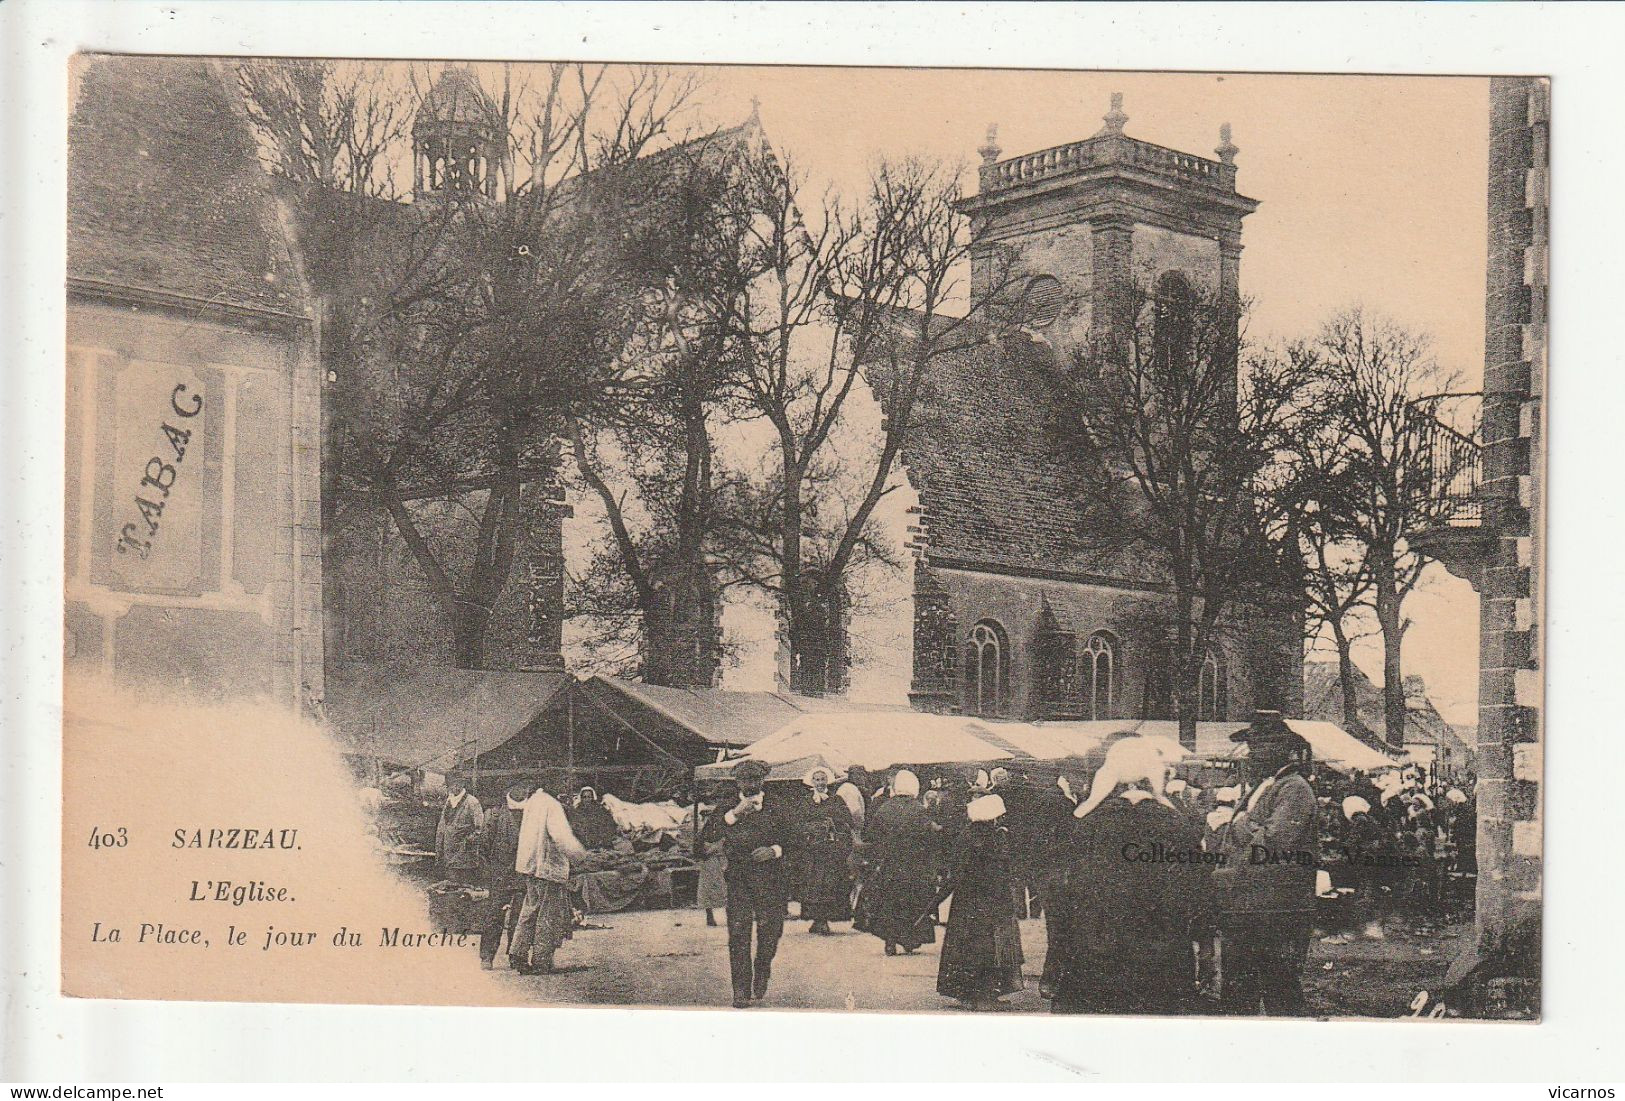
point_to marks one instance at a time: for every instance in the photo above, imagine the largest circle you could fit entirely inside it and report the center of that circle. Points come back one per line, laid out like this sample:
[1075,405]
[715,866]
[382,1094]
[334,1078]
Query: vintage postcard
[794,538]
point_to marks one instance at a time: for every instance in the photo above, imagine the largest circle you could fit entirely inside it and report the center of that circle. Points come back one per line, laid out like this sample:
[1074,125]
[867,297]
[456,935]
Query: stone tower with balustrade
[1090,221]
[1017,613]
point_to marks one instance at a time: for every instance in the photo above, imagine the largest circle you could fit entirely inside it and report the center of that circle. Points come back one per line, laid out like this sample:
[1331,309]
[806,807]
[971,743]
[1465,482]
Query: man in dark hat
[756,840]
[1267,883]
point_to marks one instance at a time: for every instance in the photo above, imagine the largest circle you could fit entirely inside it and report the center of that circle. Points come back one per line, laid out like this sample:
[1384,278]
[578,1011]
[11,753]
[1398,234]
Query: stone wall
[1066,254]
[1157,251]
[1510,730]
[193,524]
[950,602]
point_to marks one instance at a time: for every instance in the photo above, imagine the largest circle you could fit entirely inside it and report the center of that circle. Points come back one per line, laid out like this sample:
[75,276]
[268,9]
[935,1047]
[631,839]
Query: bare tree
[334,124]
[1320,521]
[1377,371]
[1183,458]
[464,331]
[834,299]
[651,456]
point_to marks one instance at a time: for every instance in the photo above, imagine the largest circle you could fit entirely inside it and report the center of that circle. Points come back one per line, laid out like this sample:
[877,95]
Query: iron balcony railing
[1450,455]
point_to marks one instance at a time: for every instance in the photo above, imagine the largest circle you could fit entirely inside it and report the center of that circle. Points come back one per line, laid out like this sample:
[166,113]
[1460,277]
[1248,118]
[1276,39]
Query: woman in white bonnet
[823,880]
[981,950]
[900,843]
[1137,886]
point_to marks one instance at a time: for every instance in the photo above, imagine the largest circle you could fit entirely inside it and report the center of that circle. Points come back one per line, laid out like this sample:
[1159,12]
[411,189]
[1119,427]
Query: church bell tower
[1081,226]
[458,144]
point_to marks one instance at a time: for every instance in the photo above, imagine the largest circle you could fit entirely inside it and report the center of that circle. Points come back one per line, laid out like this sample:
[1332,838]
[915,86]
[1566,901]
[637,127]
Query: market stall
[873,740]
[646,862]
[400,730]
[881,740]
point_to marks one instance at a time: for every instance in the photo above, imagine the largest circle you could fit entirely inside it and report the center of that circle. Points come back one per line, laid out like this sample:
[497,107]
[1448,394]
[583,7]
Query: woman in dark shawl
[591,820]
[824,875]
[981,950]
[1135,885]
[900,840]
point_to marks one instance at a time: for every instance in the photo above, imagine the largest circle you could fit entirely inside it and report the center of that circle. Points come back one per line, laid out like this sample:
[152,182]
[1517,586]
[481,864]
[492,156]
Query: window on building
[1044,299]
[1097,676]
[1213,695]
[1173,320]
[987,658]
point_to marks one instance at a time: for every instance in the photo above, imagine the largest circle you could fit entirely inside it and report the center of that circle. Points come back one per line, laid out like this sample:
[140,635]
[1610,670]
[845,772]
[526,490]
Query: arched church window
[1173,323]
[1043,300]
[1097,676]
[1213,695]
[987,658]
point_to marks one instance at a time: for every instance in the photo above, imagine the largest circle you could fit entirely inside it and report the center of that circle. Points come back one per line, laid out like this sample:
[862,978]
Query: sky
[1371,190]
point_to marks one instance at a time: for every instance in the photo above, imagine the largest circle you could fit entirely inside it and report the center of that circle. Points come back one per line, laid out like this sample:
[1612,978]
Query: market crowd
[1157,896]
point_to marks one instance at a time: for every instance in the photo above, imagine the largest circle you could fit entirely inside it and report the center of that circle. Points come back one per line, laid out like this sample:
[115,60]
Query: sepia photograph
[761,538]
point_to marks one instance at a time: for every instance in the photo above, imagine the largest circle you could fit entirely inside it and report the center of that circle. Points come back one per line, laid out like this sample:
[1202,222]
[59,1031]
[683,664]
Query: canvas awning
[880,740]
[1330,743]
[711,716]
[874,740]
[431,717]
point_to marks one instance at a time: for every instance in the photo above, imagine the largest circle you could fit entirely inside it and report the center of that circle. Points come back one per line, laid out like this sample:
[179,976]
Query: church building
[1018,613]
[226,293]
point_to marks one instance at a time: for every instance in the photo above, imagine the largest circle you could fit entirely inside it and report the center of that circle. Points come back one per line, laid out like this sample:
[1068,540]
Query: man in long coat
[757,841]
[457,835]
[1266,887]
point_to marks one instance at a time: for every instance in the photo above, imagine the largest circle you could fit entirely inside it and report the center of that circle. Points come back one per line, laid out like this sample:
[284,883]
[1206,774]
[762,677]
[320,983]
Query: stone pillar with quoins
[1511,730]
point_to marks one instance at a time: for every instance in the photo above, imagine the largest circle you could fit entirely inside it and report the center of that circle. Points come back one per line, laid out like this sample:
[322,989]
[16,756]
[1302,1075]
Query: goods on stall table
[608,881]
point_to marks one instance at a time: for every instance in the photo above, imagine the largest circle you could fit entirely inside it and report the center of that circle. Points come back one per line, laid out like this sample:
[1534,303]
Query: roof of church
[457,97]
[992,479]
[371,226]
[165,190]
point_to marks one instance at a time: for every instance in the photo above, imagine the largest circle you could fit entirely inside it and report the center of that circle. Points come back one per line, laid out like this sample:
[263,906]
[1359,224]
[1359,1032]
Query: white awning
[878,740]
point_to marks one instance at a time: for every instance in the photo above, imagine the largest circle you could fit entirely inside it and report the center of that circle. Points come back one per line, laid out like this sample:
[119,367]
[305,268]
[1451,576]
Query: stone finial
[990,151]
[1227,150]
[1115,119]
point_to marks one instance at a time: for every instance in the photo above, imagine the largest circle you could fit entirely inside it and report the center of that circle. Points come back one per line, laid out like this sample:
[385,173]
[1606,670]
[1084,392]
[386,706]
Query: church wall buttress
[936,645]
[1113,278]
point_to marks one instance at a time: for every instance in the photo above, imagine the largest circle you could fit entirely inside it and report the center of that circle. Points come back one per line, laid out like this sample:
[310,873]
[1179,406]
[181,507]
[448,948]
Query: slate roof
[166,194]
[991,476]
[428,717]
[456,97]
